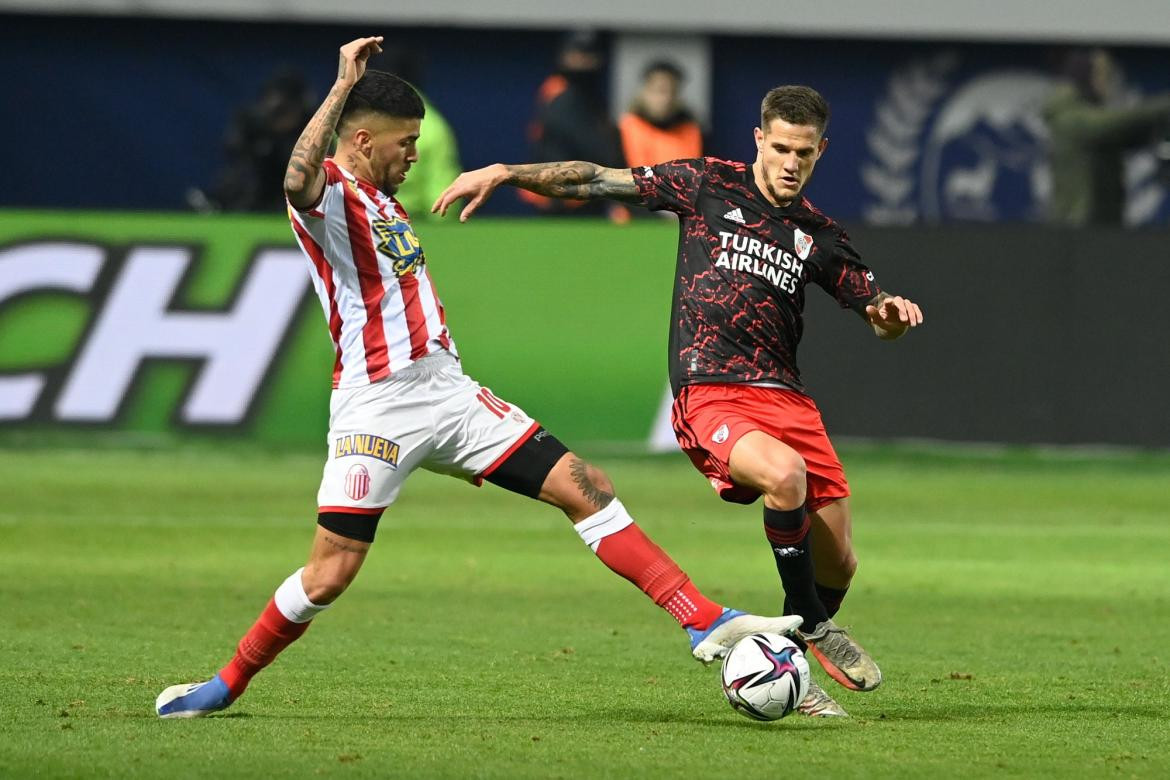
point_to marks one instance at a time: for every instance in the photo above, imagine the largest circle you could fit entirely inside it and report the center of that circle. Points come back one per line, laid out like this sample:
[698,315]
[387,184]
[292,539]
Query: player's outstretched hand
[893,315]
[351,64]
[477,186]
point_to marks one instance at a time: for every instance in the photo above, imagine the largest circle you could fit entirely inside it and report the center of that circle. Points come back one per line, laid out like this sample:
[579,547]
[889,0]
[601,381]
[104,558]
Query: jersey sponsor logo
[357,482]
[751,255]
[367,445]
[803,243]
[735,215]
[721,434]
[397,241]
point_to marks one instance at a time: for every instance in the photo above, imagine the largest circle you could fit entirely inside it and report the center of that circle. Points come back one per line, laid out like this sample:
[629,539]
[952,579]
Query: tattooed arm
[304,181]
[892,315]
[576,180]
[571,180]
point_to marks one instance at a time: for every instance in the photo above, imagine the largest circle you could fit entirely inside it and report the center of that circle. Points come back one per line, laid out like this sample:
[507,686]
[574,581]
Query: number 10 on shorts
[494,405]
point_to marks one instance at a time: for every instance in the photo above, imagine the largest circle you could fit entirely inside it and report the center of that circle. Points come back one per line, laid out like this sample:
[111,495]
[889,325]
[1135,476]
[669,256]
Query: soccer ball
[765,676]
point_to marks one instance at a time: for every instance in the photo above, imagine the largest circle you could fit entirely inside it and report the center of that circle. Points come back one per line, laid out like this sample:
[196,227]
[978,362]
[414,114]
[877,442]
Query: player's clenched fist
[351,65]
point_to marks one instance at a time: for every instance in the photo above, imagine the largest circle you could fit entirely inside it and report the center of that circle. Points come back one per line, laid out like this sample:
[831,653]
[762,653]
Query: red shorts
[709,419]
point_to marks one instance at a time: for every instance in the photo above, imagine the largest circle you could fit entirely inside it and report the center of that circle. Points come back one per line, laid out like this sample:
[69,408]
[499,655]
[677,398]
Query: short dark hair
[380,92]
[795,104]
[662,66]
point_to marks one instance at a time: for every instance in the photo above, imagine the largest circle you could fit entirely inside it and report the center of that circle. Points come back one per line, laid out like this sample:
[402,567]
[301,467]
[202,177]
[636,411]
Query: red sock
[630,553]
[267,637]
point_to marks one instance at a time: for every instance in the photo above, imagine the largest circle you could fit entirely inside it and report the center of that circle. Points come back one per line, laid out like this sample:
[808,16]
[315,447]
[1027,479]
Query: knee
[837,570]
[785,481]
[847,566]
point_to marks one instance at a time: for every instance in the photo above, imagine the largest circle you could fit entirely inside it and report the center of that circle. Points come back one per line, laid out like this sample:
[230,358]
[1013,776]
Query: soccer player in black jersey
[749,246]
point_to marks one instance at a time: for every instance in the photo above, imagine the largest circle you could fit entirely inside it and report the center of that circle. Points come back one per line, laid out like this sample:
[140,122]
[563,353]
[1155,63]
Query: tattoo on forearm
[574,180]
[307,155]
[595,495]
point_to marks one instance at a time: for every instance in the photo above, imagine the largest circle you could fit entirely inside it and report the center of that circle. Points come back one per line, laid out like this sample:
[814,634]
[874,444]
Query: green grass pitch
[1017,604]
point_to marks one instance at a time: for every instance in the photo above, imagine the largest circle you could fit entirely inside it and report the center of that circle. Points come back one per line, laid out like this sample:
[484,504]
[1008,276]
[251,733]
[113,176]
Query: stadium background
[1014,594]
[157,88]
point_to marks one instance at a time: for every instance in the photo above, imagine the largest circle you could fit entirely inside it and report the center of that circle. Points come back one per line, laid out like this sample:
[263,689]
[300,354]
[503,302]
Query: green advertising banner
[191,324]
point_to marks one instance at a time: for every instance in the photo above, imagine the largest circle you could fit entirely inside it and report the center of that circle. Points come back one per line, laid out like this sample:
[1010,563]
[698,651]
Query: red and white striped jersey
[371,276]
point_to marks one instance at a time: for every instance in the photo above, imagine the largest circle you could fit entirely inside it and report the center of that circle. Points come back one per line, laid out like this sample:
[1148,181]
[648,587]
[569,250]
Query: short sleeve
[328,193]
[670,186]
[842,275]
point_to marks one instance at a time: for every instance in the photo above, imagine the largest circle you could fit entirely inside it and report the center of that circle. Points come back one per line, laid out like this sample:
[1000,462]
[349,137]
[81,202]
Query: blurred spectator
[257,145]
[658,127]
[1089,136]
[438,151]
[573,123]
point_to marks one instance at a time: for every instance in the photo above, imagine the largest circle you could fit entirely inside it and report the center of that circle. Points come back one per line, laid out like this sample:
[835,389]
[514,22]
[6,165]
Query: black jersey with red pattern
[743,265]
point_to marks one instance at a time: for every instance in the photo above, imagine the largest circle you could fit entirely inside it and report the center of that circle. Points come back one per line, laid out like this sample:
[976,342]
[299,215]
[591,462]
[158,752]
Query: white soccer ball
[765,676]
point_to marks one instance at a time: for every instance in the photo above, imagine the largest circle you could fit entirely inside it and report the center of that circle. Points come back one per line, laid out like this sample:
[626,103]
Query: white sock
[293,602]
[600,525]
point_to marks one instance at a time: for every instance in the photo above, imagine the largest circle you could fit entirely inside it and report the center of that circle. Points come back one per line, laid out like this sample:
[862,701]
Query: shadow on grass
[605,716]
[148,714]
[649,716]
[723,721]
[652,717]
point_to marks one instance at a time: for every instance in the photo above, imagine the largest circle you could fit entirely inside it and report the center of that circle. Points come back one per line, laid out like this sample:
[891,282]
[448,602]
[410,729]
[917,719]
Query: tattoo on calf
[595,495]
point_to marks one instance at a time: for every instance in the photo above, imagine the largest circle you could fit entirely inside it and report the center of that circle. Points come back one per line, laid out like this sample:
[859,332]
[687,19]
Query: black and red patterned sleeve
[842,275]
[670,186]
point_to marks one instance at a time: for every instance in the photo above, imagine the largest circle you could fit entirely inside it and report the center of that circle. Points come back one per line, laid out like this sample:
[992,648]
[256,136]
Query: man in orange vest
[659,127]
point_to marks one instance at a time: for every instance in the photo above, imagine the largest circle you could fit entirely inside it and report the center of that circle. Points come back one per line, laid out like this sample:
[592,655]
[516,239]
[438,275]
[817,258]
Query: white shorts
[429,415]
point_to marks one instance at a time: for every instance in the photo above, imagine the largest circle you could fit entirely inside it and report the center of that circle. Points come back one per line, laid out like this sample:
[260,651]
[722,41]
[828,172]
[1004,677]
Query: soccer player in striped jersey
[749,245]
[401,401]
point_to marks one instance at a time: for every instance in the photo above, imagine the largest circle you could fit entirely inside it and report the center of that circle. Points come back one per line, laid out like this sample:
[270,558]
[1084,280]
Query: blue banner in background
[926,132]
[125,113]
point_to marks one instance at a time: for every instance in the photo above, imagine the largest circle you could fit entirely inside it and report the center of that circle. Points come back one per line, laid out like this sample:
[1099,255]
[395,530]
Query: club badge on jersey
[397,241]
[803,242]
